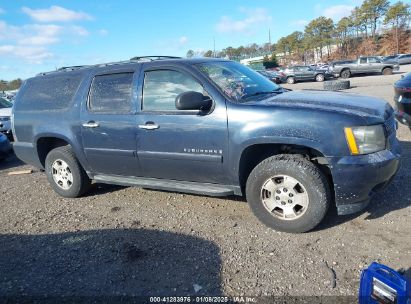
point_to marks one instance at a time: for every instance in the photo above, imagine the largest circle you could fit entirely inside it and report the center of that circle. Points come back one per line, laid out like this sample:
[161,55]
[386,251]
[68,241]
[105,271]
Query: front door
[109,125]
[173,144]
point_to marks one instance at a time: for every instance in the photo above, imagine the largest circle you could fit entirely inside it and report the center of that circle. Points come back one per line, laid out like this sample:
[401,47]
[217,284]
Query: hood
[5,112]
[347,103]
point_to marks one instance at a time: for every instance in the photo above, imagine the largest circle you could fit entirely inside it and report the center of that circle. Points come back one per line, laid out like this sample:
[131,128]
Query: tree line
[10,85]
[376,27]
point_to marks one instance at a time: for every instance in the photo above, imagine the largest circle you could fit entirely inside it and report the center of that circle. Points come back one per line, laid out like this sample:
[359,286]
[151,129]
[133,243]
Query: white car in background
[5,116]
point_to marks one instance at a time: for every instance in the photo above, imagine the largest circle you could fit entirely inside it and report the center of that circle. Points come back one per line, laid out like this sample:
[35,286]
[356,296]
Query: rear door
[306,73]
[363,65]
[109,124]
[183,145]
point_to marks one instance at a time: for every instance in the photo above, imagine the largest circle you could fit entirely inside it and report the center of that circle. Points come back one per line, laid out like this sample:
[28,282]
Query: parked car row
[297,73]
[274,76]
[363,65]
[5,117]
[398,59]
[402,99]
[5,146]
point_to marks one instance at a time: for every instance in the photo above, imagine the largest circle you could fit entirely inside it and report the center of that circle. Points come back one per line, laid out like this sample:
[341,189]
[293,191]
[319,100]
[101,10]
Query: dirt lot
[130,241]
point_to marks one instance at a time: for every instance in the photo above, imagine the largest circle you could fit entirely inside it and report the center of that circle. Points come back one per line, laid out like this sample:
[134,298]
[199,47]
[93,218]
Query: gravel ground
[130,241]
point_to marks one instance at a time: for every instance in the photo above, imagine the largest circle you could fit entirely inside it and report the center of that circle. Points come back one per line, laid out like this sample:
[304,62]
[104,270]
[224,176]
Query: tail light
[403,89]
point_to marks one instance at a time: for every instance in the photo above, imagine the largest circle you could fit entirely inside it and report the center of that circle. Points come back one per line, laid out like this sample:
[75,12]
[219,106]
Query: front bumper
[357,178]
[5,126]
[5,147]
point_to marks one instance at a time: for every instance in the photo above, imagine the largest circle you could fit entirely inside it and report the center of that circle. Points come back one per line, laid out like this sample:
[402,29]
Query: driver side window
[161,87]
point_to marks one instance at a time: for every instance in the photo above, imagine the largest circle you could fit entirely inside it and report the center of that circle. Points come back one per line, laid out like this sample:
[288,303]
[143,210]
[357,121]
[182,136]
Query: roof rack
[72,68]
[152,58]
[134,59]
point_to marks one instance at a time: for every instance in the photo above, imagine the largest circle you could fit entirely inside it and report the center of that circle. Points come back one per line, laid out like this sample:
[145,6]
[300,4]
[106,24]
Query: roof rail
[134,59]
[72,68]
[152,58]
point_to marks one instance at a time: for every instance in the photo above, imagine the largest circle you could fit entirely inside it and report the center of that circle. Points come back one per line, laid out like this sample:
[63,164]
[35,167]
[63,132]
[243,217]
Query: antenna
[269,40]
[214,54]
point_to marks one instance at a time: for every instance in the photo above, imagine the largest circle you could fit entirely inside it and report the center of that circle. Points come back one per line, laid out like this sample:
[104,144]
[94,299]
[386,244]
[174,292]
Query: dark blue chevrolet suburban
[211,127]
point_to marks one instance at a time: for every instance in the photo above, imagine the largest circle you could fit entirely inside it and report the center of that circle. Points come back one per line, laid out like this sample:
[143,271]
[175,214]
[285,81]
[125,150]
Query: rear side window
[48,93]
[111,93]
[373,60]
[363,60]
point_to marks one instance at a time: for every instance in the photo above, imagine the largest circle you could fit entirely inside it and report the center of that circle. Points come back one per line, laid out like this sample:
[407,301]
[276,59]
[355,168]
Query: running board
[168,185]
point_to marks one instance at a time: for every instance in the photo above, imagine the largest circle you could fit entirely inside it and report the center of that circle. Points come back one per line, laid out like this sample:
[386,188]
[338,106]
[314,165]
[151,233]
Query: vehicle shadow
[103,264]
[395,197]
[99,188]
[10,162]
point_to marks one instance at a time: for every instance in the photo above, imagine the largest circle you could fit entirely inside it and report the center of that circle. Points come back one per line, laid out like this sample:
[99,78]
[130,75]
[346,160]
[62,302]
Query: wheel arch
[46,142]
[254,153]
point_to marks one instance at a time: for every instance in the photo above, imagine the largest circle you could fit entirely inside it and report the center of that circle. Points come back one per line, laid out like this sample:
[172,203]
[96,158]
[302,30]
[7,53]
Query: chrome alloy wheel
[62,175]
[284,197]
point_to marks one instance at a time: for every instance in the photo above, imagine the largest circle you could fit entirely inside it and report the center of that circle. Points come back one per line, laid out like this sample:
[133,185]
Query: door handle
[149,126]
[90,124]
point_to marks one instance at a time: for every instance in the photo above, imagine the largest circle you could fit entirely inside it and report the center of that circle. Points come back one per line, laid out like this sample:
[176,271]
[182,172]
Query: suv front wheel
[290,80]
[65,174]
[319,78]
[288,193]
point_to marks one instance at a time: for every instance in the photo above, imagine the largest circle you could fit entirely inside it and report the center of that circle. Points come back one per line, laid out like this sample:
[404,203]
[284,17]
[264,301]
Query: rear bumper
[27,153]
[357,178]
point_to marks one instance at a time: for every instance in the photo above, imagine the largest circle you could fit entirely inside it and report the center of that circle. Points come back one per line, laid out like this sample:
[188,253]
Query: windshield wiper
[276,91]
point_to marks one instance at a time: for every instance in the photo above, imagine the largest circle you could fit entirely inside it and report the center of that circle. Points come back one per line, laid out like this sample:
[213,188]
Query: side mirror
[192,101]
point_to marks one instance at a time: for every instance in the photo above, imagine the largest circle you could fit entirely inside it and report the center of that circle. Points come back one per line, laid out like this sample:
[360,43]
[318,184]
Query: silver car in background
[5,116]
[399,59]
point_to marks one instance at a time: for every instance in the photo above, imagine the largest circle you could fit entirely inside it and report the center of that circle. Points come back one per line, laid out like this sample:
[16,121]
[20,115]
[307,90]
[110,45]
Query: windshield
[237,81]
[5,103]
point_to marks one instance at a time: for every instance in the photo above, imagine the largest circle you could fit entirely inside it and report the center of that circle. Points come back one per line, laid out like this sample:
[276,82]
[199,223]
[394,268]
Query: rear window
[111,93]
[48,93]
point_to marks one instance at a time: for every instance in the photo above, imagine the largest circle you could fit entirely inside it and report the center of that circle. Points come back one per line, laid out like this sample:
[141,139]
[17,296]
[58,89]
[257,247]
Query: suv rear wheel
[288,193]
[387,71]
[65,174]
[290,80]
[345,74]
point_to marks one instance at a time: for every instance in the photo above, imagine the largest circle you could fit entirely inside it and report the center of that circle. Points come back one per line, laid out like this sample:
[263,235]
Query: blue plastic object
[381,284]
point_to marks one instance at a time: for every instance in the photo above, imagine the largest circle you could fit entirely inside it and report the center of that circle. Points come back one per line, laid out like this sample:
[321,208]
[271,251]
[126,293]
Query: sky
[42,35]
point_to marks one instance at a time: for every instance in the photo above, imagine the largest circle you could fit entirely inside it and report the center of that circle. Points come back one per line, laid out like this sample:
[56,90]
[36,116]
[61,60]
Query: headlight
[365,140]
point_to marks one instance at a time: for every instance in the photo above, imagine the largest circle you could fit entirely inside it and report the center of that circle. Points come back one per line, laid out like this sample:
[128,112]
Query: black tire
[80,181]
[336,85]
[319,77]
[297,167]
[387,71]
[290,80]
[345,74]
